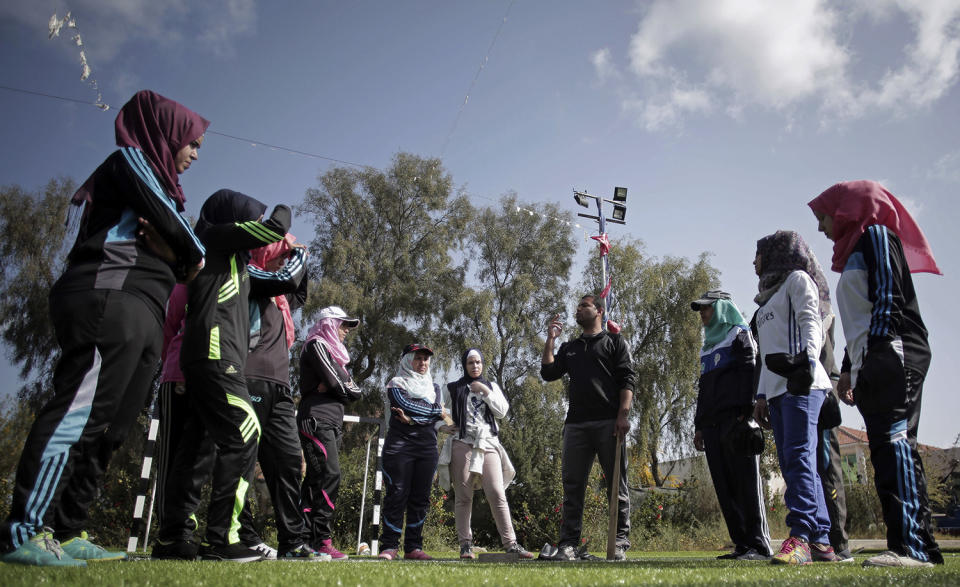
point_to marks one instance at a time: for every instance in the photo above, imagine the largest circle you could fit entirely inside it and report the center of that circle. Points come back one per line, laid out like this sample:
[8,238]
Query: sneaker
[619,552]
[566,553]
[793,551]
[753,555]
[183,550]
[417,554]
[235,553]
[892,559]
[731,555]
[388,554]
[513,548]
[42,551]
[823,553]
[266,551]
[844,556]
[300,553]
[326,547]
[81,548]
[466,551]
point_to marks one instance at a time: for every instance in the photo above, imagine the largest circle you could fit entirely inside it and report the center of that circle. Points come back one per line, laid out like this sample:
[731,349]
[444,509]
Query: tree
[33,248]
[653,308]
[383,249]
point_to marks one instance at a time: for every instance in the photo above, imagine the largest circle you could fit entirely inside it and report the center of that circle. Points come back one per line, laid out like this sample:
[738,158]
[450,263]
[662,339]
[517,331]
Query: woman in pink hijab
[107,310]
[877,245]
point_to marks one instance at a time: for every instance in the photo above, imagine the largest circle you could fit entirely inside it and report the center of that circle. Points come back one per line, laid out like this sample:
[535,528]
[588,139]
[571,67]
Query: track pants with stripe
[831,479]
[408,469]
[221,405]
[321,449]
[794,421]
[279,456]
[736,479]
[110,345]
[181,487]
[898,469]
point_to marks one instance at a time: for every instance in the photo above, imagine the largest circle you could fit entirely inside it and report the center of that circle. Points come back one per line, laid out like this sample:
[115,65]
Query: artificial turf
[677,568]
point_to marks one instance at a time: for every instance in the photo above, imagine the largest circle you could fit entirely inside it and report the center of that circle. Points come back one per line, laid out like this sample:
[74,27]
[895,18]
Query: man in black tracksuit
[213,356]
[600,393]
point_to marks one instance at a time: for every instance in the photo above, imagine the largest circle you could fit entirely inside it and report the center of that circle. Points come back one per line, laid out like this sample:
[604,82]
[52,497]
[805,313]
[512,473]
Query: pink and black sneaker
[326,547]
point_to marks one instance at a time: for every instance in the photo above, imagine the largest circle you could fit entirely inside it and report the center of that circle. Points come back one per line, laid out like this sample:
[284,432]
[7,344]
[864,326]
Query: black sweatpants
[221,405]
[408,469]
[110,342]
[831,478]
[889,397]
[736,479]
[181,487]
[582,442]
[321,449]
[279,456]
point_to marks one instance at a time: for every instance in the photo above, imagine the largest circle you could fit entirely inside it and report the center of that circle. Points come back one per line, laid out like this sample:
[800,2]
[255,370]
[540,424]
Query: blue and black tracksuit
[888,356]
[107,311]
[409,463]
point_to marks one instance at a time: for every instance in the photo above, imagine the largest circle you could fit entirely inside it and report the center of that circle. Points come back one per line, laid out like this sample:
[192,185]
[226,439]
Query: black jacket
[599,367]
[726,381]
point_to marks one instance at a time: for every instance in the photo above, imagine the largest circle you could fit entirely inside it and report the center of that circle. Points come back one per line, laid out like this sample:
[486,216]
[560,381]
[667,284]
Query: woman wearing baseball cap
[410,452]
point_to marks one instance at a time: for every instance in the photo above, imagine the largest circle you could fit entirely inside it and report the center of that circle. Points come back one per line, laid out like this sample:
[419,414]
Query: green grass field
[679,568]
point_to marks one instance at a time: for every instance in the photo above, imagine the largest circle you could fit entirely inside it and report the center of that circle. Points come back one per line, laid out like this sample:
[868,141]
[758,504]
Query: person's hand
[179,388]
[448,429]
[622,425]
[193,271]
[698,440]
[554,327]
[844,391]
[154,242]
[479,389]
[321,387]
[761,413]
[401,415]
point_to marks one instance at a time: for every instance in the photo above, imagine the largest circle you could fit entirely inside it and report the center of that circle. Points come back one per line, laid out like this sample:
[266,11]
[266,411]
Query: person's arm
[418,410]
[299,297]
[264,284]
[493,397]
[804,296]
[173,321]
[252,234]
[550,368]
[886,264]
[745,353]
[144,194]
[625,377]
[333,378]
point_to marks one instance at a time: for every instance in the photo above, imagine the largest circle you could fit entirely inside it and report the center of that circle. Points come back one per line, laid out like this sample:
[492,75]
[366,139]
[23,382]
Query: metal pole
[363,495]
[153,497]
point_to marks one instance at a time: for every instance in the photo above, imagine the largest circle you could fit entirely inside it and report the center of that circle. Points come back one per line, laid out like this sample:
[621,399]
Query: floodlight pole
[581,198]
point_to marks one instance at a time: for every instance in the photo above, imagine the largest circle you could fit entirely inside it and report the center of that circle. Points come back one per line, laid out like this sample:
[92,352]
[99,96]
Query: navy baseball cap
[709,298]
[415,347]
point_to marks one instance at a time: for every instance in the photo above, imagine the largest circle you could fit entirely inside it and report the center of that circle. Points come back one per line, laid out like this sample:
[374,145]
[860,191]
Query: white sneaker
[266,551]
[892,559]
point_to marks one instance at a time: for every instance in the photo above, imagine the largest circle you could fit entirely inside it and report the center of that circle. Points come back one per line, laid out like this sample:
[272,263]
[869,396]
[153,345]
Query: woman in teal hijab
[725,400]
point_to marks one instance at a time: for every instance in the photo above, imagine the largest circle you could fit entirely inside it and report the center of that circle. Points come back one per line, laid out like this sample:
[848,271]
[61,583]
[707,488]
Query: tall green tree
[384,249]
[33,249]
[652,305]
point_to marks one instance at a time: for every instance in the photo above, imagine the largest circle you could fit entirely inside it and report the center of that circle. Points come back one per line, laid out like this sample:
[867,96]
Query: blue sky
[722,117]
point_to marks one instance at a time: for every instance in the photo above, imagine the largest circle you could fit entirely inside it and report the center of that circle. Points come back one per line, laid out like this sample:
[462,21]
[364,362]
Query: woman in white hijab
[410,453]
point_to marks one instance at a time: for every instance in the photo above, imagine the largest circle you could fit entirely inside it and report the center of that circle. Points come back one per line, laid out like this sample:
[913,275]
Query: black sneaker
[563,553]
[753,555]
[515,548]
[466,551]
[181,550]
[235,553]
[300,553]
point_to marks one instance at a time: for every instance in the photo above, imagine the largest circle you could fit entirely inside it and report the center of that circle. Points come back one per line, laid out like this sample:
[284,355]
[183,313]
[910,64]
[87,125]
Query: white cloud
[603,65]
[946,168]
[743,54]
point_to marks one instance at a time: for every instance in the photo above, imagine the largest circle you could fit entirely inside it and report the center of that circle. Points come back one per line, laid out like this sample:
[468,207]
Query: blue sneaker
[42,551]
[81,548]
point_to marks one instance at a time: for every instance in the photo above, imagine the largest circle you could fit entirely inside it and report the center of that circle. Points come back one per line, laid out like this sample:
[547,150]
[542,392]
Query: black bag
[746,437]
[830,412]
[796,369]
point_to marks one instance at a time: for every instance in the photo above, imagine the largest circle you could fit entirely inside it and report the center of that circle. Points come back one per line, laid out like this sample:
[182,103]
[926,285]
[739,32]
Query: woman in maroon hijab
[107,310]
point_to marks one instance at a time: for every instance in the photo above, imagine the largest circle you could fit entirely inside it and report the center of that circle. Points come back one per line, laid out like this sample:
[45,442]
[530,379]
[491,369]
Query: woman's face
[756,263]
[474,366]
[187,154]
[421,362]
[706,314]
[825,224]
[342,331]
